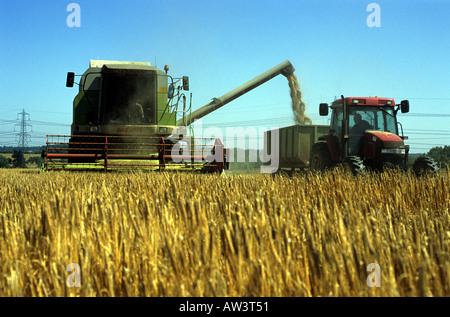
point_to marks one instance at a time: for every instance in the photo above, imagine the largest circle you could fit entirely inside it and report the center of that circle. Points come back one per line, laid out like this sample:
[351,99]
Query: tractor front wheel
[425,165]
[354,164]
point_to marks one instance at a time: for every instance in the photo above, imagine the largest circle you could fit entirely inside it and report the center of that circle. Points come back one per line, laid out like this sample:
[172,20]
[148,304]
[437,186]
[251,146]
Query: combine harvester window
[129,100]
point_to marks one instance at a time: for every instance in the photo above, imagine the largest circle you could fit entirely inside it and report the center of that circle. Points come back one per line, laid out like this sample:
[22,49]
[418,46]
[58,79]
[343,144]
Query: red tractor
[364,133]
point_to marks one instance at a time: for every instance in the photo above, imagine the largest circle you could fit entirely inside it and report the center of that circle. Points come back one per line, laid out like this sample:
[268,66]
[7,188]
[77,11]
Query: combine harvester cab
[131,115]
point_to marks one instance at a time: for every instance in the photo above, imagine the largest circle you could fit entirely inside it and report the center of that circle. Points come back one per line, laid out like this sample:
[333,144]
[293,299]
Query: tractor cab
[365,130]
[363,114]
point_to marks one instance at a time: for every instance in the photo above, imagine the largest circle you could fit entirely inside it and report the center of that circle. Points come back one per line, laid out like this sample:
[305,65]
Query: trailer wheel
[320,157]
[355,165]
[425,166]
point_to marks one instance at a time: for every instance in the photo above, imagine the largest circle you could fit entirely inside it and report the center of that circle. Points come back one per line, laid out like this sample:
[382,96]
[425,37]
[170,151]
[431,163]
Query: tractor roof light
[389,102]
[355,101]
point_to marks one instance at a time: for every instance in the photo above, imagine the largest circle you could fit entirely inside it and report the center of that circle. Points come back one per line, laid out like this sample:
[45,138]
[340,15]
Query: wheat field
[172,234]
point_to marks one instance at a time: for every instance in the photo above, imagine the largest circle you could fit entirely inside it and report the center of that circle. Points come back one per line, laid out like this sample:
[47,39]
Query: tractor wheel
[354,164]
[425,166]
[320,157]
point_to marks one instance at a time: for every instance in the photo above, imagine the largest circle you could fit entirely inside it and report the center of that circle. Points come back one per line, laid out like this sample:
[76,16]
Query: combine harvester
[364,134]
[131,115]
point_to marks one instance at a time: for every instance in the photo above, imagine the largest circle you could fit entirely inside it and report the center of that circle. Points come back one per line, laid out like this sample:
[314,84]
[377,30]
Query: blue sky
[221,45]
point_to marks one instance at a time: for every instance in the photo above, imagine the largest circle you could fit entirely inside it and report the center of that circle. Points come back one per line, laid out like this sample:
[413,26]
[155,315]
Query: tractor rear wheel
[425,165]
[320,157]
[354,164]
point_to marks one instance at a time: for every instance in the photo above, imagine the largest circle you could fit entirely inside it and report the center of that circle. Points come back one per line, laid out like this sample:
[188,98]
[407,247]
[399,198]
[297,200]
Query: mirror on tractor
[70,79]
[185,83]
[323,109]
[404,106]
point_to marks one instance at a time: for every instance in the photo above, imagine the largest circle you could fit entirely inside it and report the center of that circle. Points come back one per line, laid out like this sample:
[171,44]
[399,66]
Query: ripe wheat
[170,234]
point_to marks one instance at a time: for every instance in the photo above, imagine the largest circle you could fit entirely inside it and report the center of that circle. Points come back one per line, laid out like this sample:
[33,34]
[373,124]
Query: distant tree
[4,162]
[440,154]
[18,159]
[35,160]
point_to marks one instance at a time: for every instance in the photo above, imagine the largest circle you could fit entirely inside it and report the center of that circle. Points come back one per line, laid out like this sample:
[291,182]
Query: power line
[426,114]
[424,98]
[428,130]
[49,123]
[4,122]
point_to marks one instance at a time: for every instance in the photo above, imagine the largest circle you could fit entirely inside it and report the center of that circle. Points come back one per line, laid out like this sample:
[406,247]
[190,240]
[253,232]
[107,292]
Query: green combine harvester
[131,115]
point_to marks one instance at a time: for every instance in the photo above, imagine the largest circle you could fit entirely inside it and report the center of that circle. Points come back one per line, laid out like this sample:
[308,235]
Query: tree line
[440,154]
[18,160]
